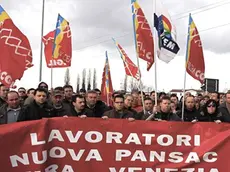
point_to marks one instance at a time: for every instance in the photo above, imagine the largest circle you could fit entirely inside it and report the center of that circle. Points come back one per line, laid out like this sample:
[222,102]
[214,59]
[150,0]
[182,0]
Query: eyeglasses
[119,102]
[211,106]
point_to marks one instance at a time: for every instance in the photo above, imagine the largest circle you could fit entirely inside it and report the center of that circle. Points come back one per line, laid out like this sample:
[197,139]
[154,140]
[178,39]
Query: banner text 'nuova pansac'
[96,137]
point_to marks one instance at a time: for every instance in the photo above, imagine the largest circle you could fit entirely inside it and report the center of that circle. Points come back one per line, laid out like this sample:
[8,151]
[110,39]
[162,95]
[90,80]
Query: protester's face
[148,105]
[187,94]
[91,98]
[140,99]
[118,104]
[98,95]
[40,97]
[3,91]
[57,100]
[190,103]
[174,99]
[173,106]
[82,94]
[79,104]
[221,101]
[165,106]
[129,101]
[135,98]
[44,86]
[211,108]
[13,100]
[228,98]
[206,99]
[68,92]
[22,92]
[152,96]
[31,93]
[214,96]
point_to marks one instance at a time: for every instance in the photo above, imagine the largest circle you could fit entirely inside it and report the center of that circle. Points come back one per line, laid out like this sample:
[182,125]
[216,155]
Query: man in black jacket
[79,109]
[97,106]
[225,108]
[38,109]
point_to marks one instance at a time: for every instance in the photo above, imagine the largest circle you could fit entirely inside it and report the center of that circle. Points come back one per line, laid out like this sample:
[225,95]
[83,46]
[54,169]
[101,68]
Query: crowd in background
[35,104]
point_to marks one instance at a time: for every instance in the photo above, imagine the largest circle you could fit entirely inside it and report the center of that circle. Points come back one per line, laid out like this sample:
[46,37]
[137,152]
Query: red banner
[96,145]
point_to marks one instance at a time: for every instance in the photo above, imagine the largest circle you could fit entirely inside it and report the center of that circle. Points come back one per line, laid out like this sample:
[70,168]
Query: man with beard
[79,109]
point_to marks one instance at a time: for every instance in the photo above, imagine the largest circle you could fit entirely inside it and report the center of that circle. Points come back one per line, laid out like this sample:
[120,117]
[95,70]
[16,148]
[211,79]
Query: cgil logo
[5,77]
[58,62]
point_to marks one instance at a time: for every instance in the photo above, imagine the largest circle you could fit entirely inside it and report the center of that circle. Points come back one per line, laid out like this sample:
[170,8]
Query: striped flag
[195,65]
[62,47]
[143,35]
[106,84]
[130,68]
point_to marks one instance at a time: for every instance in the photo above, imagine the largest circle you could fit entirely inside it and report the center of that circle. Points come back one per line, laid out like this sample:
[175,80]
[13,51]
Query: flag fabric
[48,41]
[195,65]
[143,35]
[16,53]
[62,47]
[167,47]
[130,68]
[106,85]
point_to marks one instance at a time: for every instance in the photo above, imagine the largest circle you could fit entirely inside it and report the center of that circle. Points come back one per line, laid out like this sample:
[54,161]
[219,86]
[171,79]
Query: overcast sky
[94,22]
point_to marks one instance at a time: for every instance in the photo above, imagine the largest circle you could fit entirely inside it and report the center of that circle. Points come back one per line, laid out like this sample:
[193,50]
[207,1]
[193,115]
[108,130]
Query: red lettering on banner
[99,145]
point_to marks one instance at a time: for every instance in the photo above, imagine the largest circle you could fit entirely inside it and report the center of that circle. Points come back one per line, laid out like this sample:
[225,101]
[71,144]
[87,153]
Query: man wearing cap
[60,108]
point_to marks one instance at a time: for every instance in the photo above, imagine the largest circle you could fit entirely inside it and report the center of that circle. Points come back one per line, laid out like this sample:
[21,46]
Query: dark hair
[152,92]
[42,83]
[165,98]
[119,96]
[82,90]
[31,89]
[11,92]
[148,98]
[91,92]
[97,90]
[162,93]
[173,95]
[200,95]
[41,90]
[139,92]
[21,88]
[2,85]
[59,88]
[218,94]
[67,86]
[116,93]
[77,96]
[206,105]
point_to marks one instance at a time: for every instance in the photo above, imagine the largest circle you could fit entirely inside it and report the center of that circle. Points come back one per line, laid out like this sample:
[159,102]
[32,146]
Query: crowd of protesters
[34,104]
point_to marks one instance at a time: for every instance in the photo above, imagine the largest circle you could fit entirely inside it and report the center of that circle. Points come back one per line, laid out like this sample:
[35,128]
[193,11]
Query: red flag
[16,53]
[106,84]
[143,35]
[130,68]
[48,41]
[195,65]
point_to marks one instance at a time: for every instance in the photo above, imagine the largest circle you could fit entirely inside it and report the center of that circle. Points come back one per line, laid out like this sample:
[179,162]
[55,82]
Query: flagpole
[51,76]
[183,100]
[137,56]
[155,54]
[187,54]
[42,30]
